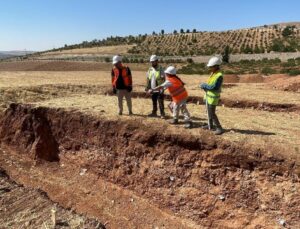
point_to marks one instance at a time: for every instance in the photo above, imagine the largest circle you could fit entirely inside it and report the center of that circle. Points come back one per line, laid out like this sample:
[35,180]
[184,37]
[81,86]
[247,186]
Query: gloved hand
[114,90]
[129,88]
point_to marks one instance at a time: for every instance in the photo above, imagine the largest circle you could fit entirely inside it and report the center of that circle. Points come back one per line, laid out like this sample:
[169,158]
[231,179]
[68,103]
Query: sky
[45,24]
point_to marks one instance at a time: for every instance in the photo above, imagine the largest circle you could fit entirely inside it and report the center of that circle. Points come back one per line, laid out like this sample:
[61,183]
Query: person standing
[122,83]
[179,96]
[213,89]
[155,77]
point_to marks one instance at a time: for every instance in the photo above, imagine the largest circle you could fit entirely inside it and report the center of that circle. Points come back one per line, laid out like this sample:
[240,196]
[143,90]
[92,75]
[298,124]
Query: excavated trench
[209,181]
[242,104]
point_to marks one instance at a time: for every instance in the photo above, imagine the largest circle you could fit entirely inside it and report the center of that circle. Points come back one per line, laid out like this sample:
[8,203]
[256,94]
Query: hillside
[253,40]
[282,37]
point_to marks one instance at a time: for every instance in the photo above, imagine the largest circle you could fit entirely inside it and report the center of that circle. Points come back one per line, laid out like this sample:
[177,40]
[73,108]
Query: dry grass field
[104,50]
[60,132]
[85,91]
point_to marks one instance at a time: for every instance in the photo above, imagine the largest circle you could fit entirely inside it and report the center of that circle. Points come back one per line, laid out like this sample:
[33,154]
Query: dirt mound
[291,83]
[200,178]
[231,78]
[251,78]
[50,66]
[29,131]
[270,78]
[271,107]
[241,104]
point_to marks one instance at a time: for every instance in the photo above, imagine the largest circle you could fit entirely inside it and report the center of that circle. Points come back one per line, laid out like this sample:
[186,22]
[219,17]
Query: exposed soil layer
[210,181]
[242,104]
[22,207]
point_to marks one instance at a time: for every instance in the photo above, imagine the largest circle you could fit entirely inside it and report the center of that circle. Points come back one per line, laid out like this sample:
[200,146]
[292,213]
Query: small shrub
[268,71]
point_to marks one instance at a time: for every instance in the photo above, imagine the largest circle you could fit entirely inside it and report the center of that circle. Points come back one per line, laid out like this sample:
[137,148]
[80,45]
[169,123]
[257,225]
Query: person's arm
[112,76]
[112,81]
[162,74]
[163,86]
[148,84]
[216,86]
[129,76]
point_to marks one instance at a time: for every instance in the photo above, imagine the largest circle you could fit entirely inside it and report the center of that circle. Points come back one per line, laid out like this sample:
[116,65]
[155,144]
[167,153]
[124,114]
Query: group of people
[159,80]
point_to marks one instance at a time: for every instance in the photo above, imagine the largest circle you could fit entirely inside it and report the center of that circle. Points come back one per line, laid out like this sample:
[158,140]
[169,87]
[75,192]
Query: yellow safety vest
[213,96]
[157,74]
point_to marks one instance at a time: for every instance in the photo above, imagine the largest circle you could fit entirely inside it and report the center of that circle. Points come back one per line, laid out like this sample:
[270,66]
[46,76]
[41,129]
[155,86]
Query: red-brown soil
[228,78]
[203,179]
[291,83]
[22,207]
[251,78]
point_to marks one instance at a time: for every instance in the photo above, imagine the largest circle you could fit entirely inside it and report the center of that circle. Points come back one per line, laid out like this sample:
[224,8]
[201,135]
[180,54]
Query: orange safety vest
[126,78]
[177,90]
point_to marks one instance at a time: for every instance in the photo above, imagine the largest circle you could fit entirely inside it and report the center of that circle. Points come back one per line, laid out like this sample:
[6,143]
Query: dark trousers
[213,118]
[160,98]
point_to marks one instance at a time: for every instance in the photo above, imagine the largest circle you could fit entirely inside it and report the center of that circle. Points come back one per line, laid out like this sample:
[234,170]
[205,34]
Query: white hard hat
[214,61]
[116,59]
[170,70]
[153,58]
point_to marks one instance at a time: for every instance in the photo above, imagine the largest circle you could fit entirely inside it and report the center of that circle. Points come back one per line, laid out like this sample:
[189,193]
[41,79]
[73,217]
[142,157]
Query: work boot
[174,121]
[153,114]
[188,125]
[219,131]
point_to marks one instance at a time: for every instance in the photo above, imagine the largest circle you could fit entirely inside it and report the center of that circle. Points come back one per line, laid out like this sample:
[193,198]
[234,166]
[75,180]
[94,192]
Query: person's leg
[176,108]
[128,101]
[219,129]
[185,111]
[161,104]
[154,97]
[186,115]
[213,116]
[210,111]
[120,94]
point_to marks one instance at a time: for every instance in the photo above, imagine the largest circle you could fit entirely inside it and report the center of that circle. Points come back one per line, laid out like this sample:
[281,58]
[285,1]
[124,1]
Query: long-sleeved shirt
[215,87]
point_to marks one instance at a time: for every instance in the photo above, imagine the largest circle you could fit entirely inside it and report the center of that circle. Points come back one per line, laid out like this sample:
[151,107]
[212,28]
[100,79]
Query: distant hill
[253,40]
[281,37]
[4,56]
[10,54]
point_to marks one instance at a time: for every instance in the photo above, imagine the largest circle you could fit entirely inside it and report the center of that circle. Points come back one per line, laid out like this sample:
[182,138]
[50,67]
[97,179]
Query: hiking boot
[153,114]
[188,125]
[174,121]
[219,131]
